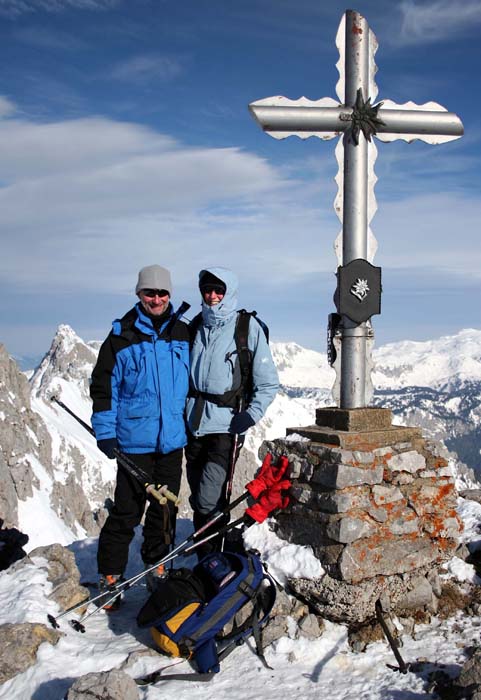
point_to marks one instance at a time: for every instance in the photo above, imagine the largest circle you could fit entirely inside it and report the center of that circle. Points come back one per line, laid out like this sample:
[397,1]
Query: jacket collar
[144,323]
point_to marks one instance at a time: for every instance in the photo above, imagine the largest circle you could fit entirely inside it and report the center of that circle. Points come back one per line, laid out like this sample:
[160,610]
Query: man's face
[154,301]
[212,294]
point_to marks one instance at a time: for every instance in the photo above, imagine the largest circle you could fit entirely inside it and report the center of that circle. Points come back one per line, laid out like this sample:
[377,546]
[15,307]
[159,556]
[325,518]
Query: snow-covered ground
[325,668]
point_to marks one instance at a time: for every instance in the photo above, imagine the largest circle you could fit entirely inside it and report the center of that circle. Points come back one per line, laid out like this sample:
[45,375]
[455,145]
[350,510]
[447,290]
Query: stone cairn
[377,504]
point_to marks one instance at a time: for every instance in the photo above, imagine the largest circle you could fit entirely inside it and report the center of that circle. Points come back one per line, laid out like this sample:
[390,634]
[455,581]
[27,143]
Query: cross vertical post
[355,220]
[357,120]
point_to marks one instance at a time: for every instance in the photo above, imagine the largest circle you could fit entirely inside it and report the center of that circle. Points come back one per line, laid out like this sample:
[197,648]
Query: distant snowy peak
[300,367]
[68,359]
[438,363]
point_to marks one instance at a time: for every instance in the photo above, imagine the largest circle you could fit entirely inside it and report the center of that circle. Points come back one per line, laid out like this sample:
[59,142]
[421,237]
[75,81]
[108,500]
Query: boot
[153,576]
[107,583]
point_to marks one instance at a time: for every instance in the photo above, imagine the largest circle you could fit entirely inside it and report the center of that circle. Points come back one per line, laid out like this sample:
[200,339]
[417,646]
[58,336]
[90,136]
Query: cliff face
[24,440]
[45,460]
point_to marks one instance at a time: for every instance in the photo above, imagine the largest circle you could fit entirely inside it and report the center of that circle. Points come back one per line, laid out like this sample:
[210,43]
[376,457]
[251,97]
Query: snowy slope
[324,668]
[300,669]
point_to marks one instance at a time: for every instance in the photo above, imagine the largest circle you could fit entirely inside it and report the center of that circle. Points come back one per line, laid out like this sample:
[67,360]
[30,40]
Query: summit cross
[357,119]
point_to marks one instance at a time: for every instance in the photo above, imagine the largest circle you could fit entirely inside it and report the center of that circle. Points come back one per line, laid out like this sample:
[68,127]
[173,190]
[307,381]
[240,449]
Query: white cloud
[96,170]
[7,107]
[75,194]
[15,8]
[146,67]
[85,203]
[437,20]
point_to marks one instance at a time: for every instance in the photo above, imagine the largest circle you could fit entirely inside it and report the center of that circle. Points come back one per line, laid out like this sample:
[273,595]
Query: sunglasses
[151,293]
[216,288]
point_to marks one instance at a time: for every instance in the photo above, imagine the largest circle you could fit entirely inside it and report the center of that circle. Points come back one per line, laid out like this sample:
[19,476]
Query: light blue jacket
[213,361]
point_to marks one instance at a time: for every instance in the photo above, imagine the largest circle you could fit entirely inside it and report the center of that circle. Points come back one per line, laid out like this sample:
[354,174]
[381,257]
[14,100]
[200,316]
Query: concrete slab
[353,419]
[364,440]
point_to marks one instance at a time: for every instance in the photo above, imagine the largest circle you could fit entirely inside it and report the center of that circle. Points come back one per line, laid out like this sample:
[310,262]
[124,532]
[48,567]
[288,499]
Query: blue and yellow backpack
[189,609]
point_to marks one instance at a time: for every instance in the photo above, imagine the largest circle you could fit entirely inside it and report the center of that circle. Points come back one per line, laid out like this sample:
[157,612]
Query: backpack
[243,392]
[189,608]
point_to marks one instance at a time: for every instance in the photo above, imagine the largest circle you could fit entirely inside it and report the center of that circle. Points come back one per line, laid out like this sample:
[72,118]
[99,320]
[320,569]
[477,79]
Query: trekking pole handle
[123,459]
[235,503]
[164,490]
[156,493]
[220,515]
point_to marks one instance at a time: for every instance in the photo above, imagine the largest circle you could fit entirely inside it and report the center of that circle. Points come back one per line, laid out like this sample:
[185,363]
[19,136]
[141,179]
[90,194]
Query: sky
[126,140]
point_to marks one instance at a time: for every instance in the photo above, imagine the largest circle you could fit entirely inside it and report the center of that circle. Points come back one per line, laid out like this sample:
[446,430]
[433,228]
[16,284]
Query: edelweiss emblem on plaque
[359,289]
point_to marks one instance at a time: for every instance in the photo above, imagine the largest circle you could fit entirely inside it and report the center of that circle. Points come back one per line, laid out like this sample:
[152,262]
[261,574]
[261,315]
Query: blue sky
[125,140]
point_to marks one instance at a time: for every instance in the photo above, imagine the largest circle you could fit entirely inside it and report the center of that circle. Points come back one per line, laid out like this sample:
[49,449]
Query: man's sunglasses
[216,288]
[151,293]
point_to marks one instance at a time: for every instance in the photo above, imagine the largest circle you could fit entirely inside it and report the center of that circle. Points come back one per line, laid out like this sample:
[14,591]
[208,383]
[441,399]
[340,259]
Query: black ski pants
[129,505]
[209,459]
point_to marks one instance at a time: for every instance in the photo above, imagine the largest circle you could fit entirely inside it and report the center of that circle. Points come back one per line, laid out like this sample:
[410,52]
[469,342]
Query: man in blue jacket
[139,387]
[219,408]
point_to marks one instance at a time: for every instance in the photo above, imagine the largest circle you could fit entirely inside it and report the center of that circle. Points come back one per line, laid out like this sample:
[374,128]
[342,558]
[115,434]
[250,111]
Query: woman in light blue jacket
[220,405]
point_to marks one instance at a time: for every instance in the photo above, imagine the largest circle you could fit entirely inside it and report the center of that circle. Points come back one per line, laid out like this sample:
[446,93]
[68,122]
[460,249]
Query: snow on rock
[461,571]
[283,560]
[470,513]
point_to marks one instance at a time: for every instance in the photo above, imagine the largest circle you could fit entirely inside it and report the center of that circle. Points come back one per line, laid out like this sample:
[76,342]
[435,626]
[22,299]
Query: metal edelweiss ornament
[364,118]
[360,289]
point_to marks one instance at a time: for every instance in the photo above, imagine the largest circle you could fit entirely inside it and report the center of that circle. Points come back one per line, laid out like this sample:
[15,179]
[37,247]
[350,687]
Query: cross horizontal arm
[417,121]
[304,120]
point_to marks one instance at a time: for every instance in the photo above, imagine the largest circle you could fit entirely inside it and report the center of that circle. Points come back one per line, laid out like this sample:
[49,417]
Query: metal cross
[357,120]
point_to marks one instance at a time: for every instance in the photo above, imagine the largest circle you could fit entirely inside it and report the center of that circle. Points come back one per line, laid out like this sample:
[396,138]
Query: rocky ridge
[45,454]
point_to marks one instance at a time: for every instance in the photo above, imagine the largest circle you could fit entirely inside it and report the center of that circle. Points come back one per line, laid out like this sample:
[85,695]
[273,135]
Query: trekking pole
[176,552]
[392,642]
[230,479]
[161,494]
[78,625]
[233,460]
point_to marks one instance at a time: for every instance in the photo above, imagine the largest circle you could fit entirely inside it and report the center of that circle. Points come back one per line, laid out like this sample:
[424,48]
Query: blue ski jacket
[140,383]
[215,367]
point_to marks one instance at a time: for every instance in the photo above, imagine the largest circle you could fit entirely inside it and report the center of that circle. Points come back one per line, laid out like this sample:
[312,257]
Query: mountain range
[49,463]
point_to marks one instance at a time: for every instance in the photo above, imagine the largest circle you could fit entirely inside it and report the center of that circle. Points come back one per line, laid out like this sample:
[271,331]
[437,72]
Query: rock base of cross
[357,428]
[377,507]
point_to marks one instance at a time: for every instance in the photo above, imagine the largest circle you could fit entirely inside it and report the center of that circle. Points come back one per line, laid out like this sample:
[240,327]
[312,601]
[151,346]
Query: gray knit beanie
[154,277]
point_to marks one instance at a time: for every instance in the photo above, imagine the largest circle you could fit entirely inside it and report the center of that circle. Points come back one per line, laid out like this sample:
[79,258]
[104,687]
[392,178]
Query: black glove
[108,446]
[241,422]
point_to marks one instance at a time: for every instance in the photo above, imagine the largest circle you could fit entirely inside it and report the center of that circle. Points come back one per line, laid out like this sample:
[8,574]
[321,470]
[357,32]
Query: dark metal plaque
[358,294]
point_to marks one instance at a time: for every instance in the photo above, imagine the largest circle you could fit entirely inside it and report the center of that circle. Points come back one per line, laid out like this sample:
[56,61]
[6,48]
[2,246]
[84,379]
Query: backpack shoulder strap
[194,326]
[261,323]
[241,341]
